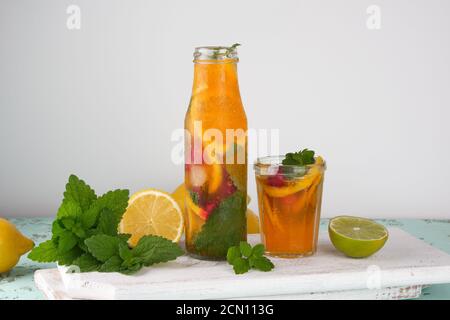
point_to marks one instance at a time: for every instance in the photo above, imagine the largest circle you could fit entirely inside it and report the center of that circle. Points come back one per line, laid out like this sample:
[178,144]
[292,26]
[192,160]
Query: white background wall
[103,101]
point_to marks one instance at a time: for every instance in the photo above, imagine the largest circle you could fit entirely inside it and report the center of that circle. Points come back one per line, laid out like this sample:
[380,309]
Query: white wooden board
[398,271]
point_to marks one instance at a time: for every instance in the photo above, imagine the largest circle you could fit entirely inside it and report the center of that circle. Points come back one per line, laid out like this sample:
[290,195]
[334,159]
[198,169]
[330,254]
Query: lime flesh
[357,237]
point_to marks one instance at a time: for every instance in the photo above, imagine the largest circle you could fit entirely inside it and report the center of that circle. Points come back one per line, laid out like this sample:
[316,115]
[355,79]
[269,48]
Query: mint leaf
[116,201]
[60,250]
[46,252]
[263,264]
[68,257]
[66,241]
[79,192]
[124,237]
[103,247]
[68,223]
[113,264]
[69,209]
[125,252]
[82,245]
[225,227]
[132,269]
[57,228]
[245,248]
[233,253]
[301,158]
[258,250]
[108,223]
[89,218]
[240,265]
[154,249]
[87,263]
[244,257]
[251,261]
[195,197]
[78,230]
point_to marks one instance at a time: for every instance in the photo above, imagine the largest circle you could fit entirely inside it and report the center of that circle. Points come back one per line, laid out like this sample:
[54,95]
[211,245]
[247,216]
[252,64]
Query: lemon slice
[312,176]
[280,192]
[196,209]
[152,212]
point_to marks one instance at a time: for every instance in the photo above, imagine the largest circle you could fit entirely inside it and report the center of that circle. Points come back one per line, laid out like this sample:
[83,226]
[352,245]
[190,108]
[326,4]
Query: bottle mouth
[214,54]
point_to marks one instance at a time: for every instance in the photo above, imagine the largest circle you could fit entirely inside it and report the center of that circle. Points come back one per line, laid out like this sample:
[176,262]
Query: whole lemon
[13,244]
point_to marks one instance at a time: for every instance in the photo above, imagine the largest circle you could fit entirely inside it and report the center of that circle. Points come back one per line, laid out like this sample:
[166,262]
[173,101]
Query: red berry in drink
[276,180]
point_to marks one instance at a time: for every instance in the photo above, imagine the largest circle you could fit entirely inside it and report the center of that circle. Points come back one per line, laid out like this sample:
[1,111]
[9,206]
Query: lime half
[357,237]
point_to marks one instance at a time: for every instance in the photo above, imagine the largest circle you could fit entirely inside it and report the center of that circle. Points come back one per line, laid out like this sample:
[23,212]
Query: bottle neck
[215,77]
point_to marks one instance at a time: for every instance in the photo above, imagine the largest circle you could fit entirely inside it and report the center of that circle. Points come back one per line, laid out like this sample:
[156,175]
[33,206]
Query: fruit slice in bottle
[202,213]
[216,177]
[212,158]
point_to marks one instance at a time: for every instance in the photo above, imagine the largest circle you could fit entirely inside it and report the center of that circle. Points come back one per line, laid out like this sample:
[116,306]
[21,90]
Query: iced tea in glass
[289,199]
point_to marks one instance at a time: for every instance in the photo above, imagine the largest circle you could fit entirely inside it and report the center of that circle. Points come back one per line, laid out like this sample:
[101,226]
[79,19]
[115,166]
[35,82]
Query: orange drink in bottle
[216,156]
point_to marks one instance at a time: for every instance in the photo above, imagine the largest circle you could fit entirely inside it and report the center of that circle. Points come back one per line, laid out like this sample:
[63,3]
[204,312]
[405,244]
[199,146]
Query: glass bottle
[216,156]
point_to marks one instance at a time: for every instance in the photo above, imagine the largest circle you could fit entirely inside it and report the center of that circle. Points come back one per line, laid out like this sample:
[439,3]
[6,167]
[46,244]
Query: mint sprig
[300,158]
[84,234]
[225,227]
[118,257]
[244,257]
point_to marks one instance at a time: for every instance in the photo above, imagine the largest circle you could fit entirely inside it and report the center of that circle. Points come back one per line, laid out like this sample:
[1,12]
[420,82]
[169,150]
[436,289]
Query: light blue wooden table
[19,284]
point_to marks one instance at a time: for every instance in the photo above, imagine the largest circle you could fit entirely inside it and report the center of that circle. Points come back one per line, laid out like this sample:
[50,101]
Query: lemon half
[152,212]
